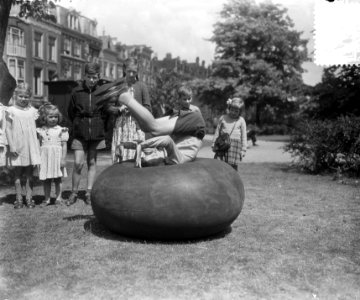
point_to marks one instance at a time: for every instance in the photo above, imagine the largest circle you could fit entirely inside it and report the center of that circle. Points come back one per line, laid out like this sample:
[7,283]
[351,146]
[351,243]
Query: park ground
[296,238]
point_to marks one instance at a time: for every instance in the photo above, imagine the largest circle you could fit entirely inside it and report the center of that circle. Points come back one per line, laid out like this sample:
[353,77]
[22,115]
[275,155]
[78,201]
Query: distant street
[266,151]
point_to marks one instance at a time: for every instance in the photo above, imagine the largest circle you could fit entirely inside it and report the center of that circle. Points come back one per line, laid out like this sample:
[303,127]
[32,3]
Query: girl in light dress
[3,140]
[126,128]
[234,124]
[53,139]
[24,148]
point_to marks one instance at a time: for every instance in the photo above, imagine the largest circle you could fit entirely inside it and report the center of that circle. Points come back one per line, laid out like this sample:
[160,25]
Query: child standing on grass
[53,139]
[24,148]
[234,124]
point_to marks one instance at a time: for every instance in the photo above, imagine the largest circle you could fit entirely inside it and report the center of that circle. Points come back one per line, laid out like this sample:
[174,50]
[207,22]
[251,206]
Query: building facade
[40,51]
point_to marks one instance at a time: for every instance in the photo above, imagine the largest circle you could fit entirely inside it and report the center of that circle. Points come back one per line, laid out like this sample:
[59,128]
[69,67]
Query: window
[67,46]
[77,49]
[52,49]
[106,69]
[20,70]
[111,70]
[38,88]
[51,74]
[17,69]
[15,36]
[38,45]
[77,72]
[73,22]
[68,72]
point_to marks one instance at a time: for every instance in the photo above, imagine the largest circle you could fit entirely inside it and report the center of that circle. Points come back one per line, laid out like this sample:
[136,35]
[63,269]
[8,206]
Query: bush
[329,145]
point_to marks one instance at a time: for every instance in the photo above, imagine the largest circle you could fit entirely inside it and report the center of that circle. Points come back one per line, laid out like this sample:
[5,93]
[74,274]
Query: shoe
[59,202]
[71,200]
[18,203]
[30,203]
[46,203]
[87,198]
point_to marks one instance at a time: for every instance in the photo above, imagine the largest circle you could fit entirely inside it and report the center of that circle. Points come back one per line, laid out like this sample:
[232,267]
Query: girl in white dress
[53,139]
[24,148]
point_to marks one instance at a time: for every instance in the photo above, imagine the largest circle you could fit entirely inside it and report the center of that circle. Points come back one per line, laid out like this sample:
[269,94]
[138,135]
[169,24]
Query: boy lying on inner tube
[180,133]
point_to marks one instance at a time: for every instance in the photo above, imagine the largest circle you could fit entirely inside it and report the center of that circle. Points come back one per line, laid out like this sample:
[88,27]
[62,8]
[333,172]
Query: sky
[180,27]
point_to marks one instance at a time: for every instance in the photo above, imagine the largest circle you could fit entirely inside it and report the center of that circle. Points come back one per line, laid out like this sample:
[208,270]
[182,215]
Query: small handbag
[222,144]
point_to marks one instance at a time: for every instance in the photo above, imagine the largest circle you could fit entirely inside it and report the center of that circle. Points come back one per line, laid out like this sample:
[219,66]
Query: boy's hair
[185,91]
[92,68]
[22,88]
[44,111]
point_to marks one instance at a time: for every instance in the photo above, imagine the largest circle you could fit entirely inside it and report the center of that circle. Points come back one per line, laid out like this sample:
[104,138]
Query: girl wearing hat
[233,124]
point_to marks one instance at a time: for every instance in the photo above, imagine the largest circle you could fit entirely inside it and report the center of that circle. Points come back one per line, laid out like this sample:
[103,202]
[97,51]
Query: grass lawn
[296,238]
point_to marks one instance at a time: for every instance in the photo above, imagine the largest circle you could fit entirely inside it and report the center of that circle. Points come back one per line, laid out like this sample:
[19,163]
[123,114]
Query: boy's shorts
[87,145]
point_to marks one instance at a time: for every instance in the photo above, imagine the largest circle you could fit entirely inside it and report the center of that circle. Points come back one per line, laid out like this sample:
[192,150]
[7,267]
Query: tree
[338,93]
[37,9]
[259,55]
[163,93]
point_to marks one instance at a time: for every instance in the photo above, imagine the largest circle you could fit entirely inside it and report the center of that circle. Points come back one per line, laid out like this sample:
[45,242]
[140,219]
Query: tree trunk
[7,82]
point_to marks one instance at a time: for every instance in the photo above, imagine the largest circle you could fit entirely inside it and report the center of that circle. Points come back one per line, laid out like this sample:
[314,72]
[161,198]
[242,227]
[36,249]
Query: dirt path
[264,152]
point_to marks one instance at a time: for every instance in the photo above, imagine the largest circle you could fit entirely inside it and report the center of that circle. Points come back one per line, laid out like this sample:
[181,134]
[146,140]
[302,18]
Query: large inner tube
[185,201]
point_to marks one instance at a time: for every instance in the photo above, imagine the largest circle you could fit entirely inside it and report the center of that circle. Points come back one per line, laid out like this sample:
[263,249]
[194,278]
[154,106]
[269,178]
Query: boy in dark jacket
[88,129]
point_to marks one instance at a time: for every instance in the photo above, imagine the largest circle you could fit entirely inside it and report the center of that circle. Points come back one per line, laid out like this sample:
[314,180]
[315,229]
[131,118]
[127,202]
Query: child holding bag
[53,139]
[233,124]
[24,148]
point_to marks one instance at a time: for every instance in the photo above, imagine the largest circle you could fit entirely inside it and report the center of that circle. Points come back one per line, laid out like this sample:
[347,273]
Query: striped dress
[237,128]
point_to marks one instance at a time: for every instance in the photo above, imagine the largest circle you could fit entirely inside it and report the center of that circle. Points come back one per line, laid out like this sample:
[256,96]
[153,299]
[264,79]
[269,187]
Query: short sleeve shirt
[189,123]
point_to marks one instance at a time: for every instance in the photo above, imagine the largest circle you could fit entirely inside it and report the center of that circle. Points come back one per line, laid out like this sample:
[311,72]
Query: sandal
[18,203]
[72,199]
[87,199]
[30,203]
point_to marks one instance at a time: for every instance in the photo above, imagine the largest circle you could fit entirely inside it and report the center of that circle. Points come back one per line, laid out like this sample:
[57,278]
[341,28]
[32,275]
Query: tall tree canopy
[338,93]
[37,9]
[258,56]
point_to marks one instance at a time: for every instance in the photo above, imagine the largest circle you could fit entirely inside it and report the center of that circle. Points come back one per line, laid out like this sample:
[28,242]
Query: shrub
[328,145]
[269,129]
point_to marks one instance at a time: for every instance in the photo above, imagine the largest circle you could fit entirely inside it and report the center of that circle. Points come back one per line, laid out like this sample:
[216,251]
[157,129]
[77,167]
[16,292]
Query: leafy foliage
[37,9]
[259,56]
[327,145]
[163,93]
[337,94]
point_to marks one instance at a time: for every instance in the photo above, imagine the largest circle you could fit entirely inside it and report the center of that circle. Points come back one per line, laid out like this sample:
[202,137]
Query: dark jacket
[88,118]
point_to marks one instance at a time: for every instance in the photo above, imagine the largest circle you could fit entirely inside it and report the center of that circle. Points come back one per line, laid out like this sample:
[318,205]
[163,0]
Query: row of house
[39,51]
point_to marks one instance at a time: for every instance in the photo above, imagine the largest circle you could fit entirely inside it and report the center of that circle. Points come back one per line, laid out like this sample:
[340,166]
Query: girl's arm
[9,136]
[64,153]
[243,137]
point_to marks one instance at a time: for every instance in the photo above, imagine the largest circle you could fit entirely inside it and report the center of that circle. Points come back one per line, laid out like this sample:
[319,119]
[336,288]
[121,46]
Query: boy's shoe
[18,203]
[46,203]
[30,203]
[72,199]
[59,202]
[87,199]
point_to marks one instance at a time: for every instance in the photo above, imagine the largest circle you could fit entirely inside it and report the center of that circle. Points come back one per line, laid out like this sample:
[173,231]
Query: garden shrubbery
[327,145]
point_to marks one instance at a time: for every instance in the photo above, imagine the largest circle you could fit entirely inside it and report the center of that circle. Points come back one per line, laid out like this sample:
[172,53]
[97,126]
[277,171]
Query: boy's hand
[114,110]
[13,153]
